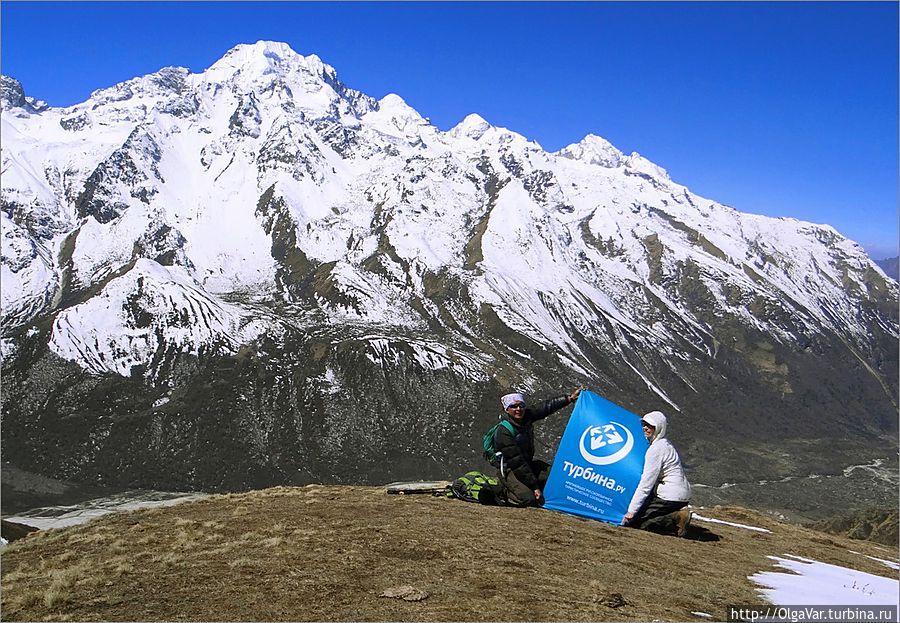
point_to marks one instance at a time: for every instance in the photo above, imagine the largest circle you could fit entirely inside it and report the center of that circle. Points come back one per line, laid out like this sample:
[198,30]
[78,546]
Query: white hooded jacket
[662,468]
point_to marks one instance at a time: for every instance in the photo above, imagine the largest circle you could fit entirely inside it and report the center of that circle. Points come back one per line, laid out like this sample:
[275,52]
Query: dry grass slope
[321,553]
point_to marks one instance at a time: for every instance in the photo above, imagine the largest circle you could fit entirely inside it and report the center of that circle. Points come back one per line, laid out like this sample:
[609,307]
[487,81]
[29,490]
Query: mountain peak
[275,51]
[473,126]
[265,57]
[12,95]
[392,101]
[593,149]
[392,115]
[11,92]
[395,107]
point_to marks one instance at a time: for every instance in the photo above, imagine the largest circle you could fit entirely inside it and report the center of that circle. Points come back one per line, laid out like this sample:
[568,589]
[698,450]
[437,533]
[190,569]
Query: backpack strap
[508,426]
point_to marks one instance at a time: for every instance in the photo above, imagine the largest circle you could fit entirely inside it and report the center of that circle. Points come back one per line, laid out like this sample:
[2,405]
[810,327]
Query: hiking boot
[682,521]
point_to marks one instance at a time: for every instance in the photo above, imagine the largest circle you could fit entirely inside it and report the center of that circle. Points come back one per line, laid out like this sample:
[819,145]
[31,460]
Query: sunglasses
[518,405]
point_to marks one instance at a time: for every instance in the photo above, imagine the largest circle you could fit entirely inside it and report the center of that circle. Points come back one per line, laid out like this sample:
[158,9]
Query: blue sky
[779,108]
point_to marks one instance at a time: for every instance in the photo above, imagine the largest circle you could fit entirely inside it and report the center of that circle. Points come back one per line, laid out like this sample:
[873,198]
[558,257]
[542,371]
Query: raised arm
[555,404]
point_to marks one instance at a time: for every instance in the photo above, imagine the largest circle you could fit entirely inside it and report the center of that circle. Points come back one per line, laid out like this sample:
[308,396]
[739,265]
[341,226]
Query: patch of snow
[651,385]
[729,523]
[814,582]
[45,518]
[876,469]
[8,349]
[893,564]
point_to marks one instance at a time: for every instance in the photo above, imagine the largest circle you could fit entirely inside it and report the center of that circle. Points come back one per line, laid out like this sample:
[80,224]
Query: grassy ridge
[330,552]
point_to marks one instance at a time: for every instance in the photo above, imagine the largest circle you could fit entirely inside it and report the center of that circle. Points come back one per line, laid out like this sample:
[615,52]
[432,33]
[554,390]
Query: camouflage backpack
[477,487]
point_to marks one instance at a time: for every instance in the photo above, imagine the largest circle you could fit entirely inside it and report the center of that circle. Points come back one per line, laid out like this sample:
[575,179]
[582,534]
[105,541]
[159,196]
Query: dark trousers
[518,494]
[653,515]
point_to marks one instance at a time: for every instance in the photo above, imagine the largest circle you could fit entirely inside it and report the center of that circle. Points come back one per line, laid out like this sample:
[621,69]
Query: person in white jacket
[664,491]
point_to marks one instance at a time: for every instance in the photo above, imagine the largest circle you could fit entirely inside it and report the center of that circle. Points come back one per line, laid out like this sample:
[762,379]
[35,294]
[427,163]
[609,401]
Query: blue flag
[599,461]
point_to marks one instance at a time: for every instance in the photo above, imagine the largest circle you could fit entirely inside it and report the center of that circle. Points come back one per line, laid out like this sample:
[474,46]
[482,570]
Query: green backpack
[476,487]
[490,453]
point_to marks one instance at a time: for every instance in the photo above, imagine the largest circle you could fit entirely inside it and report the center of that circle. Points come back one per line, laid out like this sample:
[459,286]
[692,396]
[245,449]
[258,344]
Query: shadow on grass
[693,533]
[696,533]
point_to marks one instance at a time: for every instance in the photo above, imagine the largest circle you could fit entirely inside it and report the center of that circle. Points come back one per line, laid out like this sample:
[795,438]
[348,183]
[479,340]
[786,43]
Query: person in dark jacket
[522,476]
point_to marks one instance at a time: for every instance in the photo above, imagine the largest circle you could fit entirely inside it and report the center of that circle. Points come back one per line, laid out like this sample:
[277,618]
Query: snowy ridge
[144,317]
[265,175]
[27,273]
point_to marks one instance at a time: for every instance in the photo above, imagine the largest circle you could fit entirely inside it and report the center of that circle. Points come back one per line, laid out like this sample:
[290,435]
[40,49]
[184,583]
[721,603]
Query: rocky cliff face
[257,275]
[876,525]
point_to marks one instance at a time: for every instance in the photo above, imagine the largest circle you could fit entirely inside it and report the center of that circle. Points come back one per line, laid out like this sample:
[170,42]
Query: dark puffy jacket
[518,448]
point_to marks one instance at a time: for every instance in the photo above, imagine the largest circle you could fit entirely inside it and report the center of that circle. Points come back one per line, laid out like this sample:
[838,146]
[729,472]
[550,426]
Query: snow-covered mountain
[258,261]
